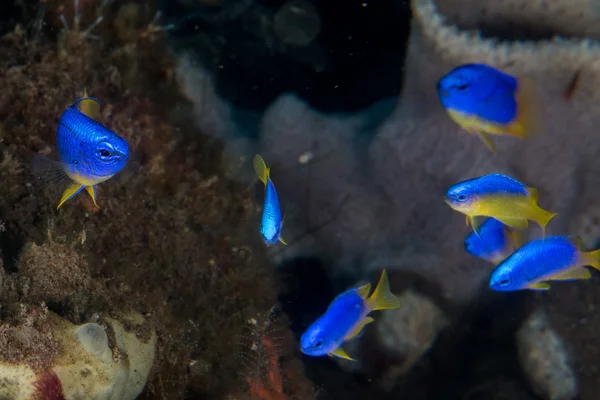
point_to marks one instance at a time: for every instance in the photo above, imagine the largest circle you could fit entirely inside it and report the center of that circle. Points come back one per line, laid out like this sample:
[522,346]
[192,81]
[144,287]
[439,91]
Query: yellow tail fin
[592,258]
[261,168]
[382,298]
[529,116]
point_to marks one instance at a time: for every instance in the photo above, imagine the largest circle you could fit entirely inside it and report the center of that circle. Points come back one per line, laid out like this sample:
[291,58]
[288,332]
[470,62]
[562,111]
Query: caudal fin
[261,168]
[592,258]
[528,121]
[382,298]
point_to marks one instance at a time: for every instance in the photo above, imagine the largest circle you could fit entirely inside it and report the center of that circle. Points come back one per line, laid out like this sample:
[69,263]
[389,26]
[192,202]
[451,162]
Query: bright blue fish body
[480,90]
[345,319]
[271,221]
[494,241]
[482,99]
[329,331]
[557,258]
[89,152]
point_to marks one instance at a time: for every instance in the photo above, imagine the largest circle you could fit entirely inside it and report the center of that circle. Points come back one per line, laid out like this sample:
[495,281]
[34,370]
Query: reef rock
[47,356]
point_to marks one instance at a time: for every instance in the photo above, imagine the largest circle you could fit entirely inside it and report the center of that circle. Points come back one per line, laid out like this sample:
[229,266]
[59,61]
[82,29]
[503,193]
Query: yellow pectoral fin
[70,191]
[282,241]
[92,192]
[341,353]
[358,328]
[475,224]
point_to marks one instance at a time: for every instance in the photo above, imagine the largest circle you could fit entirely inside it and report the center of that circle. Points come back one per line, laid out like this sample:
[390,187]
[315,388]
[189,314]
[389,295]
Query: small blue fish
[271,221]
[345,319]
[483,100]
[500,197]
[89,152]
[555,258]
[493,242]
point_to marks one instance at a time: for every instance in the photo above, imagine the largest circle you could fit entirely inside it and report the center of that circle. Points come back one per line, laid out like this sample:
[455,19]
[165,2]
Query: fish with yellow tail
[271,221]
[89,152]
[500,197]
[484,100]
[555,258]
[345,319]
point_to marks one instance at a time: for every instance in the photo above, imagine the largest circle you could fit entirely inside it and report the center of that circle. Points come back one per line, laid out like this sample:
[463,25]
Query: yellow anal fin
[528,121]
[92,192]
[572,274]
[515,223]
[69,192]
[261,168]
[341,353]
[539,286]
[358,328]
[282,241]
[382,298]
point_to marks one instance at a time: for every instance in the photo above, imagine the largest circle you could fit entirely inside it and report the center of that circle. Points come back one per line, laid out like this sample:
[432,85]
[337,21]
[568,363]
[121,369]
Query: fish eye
[319,343]
[462,87]
[105,150]
[504,282]
[461,197]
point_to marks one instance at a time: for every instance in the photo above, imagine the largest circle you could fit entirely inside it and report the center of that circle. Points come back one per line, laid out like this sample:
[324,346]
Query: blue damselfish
[482,99]
[271,221]
[345,319]
[500,197]
[89,152]
[493,242]
[555,258]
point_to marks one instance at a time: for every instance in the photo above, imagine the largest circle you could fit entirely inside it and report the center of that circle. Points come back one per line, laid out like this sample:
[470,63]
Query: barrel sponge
[553,39]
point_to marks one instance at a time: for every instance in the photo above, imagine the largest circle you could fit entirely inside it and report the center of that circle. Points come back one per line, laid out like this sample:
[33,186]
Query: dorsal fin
[364,290]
